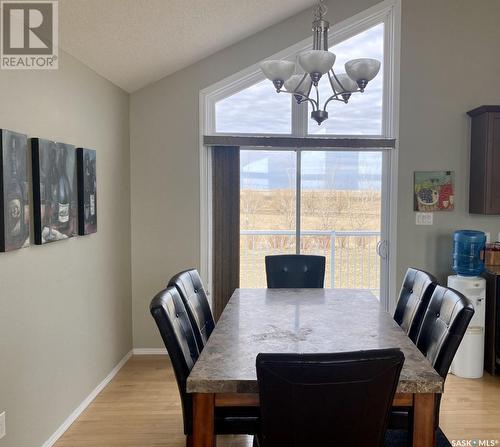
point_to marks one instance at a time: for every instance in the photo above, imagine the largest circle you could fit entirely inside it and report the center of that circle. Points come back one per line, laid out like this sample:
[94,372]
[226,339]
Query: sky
[259,109]
[339,170]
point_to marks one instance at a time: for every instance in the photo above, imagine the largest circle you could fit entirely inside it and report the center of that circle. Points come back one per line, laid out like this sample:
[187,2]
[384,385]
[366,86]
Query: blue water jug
[468,247]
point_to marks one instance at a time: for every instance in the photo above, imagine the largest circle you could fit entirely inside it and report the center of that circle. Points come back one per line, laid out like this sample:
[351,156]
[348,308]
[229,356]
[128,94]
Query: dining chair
[413,299]
[192,292]
[174,326]
[443,327]
[327,399]
[295,271]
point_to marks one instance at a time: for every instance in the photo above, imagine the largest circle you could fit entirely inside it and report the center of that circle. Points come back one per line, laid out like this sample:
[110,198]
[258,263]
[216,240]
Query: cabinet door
[493,168]
[478,200]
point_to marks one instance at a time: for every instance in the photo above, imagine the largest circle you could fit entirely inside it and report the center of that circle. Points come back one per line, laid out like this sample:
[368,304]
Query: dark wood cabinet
[484,187]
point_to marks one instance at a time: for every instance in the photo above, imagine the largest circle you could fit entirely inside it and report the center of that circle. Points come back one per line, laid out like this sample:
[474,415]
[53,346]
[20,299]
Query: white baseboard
[79,410]
[149,351]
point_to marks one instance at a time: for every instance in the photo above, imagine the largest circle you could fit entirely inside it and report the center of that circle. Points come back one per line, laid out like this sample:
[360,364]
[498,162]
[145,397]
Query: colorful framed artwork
[434,191]
[14,197]
[87,191]
[54,190]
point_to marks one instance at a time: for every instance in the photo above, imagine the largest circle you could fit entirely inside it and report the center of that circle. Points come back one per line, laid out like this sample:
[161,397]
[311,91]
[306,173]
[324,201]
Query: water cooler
[469,359]
[468,246]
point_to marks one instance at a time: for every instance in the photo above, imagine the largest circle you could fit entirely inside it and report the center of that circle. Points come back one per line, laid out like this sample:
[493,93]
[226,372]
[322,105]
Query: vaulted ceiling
[135,42]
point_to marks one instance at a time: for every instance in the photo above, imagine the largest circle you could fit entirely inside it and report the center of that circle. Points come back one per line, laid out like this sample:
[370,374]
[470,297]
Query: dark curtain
[226,225]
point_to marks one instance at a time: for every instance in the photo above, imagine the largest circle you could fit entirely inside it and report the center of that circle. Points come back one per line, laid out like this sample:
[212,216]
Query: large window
[334,211]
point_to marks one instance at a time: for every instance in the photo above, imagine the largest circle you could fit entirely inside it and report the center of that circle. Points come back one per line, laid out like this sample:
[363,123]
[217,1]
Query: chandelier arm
[333,98]
[331,81]
[304,97]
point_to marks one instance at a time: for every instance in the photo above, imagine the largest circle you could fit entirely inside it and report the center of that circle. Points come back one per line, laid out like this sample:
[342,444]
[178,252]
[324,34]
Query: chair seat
[236,420]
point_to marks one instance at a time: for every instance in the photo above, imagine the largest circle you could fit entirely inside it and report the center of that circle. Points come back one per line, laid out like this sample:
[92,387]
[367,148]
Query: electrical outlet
[424,218]
[488,237]
[2,424]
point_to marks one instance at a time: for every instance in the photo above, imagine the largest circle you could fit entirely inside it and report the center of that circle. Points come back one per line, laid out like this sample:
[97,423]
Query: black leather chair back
[413,300]
[295,271]
[339,399]
[175,329]
[445,322]
[443,328]
[192,292]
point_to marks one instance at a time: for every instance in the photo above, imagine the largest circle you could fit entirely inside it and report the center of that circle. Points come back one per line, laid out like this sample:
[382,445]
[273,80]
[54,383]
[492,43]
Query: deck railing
[351,256]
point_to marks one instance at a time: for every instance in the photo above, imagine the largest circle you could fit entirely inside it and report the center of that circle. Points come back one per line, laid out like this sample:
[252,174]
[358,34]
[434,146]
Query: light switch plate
[2,424]
[424,218]
[488,237]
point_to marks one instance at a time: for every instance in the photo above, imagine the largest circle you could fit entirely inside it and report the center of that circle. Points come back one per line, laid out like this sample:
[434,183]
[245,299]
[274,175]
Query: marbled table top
[303,321]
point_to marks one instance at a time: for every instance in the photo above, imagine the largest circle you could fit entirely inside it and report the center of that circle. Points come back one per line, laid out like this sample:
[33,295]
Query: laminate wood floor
[141,408]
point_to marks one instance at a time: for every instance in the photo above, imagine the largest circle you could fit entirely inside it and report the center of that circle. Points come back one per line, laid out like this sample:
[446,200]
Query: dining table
[303,321]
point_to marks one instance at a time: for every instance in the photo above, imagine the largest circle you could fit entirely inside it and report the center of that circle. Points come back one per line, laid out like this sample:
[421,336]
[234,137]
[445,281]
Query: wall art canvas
[87,191]
[434,191]
[14,197]
[54,190]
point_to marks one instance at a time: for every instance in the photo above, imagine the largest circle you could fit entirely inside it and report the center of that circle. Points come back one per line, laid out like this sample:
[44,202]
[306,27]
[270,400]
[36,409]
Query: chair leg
[189,440]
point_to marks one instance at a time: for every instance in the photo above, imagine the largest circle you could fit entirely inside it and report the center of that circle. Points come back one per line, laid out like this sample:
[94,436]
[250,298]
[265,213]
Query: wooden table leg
[424,434]
[203,420]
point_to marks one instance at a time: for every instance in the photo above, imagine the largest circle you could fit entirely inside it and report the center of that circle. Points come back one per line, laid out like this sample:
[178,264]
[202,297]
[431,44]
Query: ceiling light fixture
[315,63]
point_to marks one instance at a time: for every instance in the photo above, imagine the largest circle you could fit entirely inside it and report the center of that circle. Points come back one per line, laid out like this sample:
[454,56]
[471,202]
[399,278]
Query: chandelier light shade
[344,84]
[301,79]
[316,63]
[277,71]
[362,70]
[300,84]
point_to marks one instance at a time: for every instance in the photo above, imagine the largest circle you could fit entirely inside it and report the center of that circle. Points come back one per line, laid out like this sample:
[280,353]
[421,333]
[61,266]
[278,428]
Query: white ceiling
[135,42]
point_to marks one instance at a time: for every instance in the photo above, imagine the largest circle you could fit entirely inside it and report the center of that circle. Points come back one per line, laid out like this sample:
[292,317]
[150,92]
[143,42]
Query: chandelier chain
[320,10]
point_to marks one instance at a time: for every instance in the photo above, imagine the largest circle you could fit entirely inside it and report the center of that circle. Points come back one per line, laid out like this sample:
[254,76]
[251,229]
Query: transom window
[258,109]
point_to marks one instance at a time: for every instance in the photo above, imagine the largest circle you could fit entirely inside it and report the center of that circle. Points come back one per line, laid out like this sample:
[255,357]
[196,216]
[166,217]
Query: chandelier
[315,63]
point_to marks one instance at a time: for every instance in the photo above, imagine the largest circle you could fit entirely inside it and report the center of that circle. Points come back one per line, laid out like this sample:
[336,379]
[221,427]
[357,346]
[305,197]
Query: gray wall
[449,65]
[65,308]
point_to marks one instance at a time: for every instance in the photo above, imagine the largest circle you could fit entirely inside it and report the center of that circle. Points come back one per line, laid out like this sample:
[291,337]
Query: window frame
[387,12]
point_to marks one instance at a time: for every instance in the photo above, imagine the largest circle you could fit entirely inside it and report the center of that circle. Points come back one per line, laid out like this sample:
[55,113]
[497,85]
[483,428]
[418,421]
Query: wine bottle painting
[54,190]
[87,191]
[14,198]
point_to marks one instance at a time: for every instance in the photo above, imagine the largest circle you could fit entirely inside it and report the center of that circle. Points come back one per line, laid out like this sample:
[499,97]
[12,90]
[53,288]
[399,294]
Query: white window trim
[388,12]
